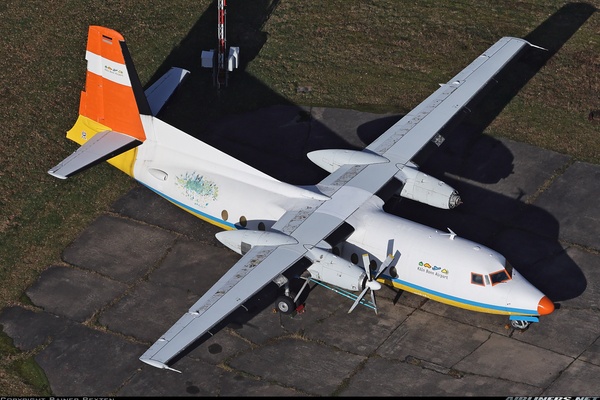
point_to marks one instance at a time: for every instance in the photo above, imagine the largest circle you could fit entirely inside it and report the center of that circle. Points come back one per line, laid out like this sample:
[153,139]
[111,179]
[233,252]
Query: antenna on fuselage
[452,234]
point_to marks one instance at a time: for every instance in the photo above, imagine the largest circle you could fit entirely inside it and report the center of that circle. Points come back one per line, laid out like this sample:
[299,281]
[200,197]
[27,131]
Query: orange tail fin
[113,94]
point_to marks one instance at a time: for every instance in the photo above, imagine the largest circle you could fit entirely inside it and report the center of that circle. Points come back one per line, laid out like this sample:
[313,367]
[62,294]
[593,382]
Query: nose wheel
[519,324]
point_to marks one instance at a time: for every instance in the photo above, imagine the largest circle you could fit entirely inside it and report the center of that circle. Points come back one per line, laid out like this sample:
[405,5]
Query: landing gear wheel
[519,324]
[285,305]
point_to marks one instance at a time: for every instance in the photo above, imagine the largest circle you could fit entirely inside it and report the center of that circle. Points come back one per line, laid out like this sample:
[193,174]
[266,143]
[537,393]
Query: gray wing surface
[348,188]
[100,147]
[240,283]
[400,143]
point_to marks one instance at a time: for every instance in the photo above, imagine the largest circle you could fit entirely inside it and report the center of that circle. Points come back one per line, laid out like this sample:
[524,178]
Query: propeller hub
[374,285]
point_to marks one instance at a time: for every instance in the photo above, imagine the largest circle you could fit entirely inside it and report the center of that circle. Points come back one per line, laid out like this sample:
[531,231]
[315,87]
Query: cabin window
[243,221]
[224,215]
[499,277]
[336,251]
[261,226]
[477,279]
[354,258]
[373,265]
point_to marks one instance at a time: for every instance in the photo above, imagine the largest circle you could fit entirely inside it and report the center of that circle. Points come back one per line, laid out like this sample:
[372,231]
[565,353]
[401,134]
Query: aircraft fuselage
[438,265]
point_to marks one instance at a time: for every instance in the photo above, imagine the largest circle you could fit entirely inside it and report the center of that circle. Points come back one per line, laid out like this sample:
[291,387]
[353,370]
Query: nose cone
[545,306]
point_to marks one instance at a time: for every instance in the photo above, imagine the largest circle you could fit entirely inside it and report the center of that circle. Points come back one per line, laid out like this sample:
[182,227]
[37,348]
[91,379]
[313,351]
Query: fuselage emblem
[198,189]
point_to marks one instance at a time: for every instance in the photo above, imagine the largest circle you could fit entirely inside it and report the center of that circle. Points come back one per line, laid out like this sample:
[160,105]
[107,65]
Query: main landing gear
[285,304]
[288,302]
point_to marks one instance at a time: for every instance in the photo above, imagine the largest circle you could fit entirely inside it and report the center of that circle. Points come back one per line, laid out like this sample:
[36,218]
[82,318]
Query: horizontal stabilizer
[162,89]
[101,147]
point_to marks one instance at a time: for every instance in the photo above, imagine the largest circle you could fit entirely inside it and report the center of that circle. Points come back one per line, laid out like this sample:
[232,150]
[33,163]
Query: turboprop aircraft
[334,233]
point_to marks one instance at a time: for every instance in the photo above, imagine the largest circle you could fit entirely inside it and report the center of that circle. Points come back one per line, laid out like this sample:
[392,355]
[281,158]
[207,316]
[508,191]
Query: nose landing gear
[520,324]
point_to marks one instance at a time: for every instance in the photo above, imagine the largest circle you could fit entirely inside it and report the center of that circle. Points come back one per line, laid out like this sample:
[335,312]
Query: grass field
[380,56]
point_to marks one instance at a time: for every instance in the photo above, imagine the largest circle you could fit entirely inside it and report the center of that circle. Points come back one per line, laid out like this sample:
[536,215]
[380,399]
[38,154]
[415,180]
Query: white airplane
[337,227]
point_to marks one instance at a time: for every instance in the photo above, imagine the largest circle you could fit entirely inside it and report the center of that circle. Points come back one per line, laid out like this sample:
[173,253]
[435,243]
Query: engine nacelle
[426,189]
[334,270]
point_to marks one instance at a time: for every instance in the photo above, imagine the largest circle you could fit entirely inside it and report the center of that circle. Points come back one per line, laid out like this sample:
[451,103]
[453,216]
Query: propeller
[371,283]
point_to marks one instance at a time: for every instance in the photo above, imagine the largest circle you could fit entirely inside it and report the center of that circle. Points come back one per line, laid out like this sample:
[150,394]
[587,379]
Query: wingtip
[158,364]
[54,174]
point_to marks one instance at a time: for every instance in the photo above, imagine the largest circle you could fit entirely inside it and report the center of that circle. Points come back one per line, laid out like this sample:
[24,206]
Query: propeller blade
[366,265]
[373,300]
[372,280]
[358,299]
[386,263]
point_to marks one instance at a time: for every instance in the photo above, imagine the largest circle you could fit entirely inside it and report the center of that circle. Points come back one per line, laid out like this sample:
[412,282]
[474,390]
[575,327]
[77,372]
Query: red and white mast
[221,60]
[221,67]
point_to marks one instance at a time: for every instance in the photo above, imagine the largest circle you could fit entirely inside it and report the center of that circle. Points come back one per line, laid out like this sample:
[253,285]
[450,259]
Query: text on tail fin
[113,94]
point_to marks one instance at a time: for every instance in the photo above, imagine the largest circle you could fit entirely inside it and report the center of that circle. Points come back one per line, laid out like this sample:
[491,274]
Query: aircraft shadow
[197,108]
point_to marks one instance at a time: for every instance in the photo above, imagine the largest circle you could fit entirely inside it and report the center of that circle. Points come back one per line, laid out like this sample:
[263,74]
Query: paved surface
[136,269]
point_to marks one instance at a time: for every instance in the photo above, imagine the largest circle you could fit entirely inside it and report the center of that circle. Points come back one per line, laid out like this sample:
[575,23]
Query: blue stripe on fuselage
[193,210]
[460,300]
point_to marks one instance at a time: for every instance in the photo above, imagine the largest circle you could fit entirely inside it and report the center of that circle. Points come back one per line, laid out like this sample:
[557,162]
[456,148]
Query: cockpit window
[477,279]
[500,276]
[509,268]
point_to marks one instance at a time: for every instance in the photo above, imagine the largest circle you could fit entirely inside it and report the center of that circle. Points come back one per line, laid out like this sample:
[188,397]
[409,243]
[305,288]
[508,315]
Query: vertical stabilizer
[109,126]
[113,94]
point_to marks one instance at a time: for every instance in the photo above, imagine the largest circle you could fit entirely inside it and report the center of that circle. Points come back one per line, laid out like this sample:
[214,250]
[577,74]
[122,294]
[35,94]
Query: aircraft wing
[240,283]
[400,143]
[257,268]
[348,188]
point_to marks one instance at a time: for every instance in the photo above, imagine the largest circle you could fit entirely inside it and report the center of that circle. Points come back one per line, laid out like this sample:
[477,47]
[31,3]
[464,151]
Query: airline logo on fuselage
[433,270]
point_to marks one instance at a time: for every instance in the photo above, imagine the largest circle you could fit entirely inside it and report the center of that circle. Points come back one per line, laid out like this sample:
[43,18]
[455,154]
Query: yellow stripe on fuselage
[85,128]
[460,304]
[204,218]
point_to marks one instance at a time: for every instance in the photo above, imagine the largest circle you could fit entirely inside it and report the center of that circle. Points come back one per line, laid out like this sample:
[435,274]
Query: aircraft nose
[545,306]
